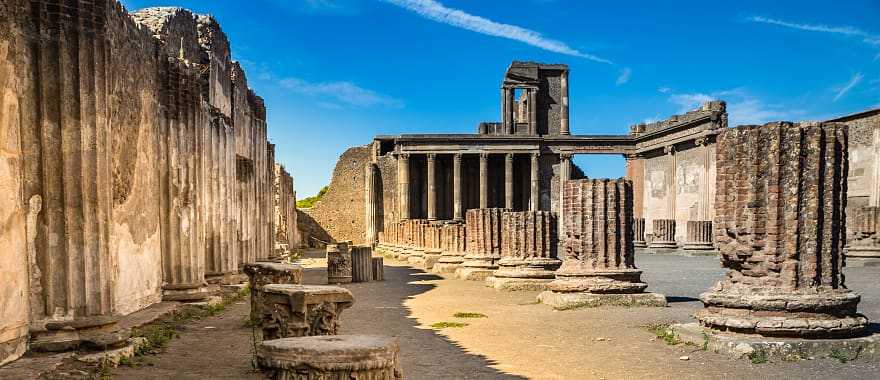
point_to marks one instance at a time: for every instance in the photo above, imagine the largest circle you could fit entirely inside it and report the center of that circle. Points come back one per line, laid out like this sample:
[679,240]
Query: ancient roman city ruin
[135,170]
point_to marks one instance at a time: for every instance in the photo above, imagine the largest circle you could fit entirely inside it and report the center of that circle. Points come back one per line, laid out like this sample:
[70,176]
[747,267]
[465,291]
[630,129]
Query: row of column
[403,180]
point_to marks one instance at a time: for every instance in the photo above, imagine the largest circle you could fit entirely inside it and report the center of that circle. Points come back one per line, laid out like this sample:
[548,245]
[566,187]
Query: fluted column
[533,114]
[371,199]
[456,187]
[403,185]
[528,251]
[432,187]
[534,199]
[564,128]
[484,180]
[508,181]
[506,110]
[564,176]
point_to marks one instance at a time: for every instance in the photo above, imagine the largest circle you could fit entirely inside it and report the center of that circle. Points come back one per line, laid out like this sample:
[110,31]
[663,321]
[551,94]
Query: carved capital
[565,156]
[484,156]
[457,158]
[670,150]
[432,156]
[508,157]
[702,141]
[403,156]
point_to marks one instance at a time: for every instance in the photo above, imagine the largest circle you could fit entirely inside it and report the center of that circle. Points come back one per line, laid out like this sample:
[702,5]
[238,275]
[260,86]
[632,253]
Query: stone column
[361,263]
[528,251]
[865,243]
[508,181]
[484,180]
[296,311]
[535,195]
[564,128]
[456,188]
[453,248]
[639,228]
[564,176]
[533,114]
[339,263]
[483,244]
[664,234]
[598,266]
[372,199]
[699,236]
[507,122]
[403,184]
[432,186]
[331,357]
[781,194]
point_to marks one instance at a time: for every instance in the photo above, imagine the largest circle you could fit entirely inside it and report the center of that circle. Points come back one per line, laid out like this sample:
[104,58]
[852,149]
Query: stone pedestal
[699,236]
[781,194]
[265,273]
[528,254]
[639,233]
[453,245]
[378,267]
[432,257]
[301,310]
[416,256]
[331,357]
[598,265]
[664,234]
[483,244]
[865,242]
[361,263]
[338,263]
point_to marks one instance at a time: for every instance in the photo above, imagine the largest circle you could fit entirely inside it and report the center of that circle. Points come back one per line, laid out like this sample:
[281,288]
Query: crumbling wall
[340,212]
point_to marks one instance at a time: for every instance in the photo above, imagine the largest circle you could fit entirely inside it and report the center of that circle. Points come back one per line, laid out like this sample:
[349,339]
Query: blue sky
[335,73]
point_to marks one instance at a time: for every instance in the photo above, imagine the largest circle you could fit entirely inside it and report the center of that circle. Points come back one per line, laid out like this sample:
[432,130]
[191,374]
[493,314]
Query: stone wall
[133,165]
[286,231]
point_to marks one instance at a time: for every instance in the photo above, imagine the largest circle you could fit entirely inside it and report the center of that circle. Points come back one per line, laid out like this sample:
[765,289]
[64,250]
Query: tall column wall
[781,195]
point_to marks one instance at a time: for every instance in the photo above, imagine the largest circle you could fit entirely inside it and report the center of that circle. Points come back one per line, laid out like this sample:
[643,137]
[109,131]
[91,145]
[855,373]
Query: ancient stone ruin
[598,264]
[331,357]
[528,251]
[779,228]
[134,167]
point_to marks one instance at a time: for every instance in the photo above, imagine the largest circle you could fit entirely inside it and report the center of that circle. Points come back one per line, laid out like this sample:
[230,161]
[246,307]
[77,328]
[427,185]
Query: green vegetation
[310,201]
[758,357]
[443,325]
[468,315]
[664,332]
[842,356]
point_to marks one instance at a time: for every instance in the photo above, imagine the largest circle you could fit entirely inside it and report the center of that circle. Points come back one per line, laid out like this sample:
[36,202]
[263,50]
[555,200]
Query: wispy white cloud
[664,90]
[743,107]
[438,12]
[854,81]
[343,92]
[624,76]
[867,37]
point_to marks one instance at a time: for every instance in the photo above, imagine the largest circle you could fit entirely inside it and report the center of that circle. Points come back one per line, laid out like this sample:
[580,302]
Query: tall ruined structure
[134,166]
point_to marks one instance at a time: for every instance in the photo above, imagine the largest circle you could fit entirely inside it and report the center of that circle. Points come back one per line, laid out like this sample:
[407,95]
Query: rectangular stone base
[777,349]
[517,284]
[566,301]
[445,268]
[473,274]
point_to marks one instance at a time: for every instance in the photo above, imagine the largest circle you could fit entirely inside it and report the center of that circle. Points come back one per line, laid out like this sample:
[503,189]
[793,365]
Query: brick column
[528,251]
[484,180]
[598,265]
[432,187]
[779,227]
[508,181]
[456,187]
[564,175]
[483,243]
[534,199]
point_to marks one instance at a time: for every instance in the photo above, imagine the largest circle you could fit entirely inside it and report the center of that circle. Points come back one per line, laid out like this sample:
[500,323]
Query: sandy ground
[517,339]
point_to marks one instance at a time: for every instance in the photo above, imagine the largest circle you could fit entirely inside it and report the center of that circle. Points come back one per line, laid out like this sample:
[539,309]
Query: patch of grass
[469,315]
[842,356]
[705,346]
[759,357]
[443,325]
[665,333]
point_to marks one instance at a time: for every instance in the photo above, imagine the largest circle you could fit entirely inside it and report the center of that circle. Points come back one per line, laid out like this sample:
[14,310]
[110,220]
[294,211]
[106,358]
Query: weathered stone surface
[301,310]
[528,251]
[598,252]
[453,245]
[361,263]
[779,229]
[339,263]
[265,273]
[286,232]
[378,267]
[483,244]
[639,233]
[699,236]
[664,234]
[331,357]
[864,241]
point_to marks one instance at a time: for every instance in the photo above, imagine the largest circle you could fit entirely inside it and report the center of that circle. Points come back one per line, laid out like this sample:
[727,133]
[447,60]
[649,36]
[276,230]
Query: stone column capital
[431,156]
[456,157]
[508,157]
[702,141]
[670,149]
[484,156]
[565,156]
[403,156]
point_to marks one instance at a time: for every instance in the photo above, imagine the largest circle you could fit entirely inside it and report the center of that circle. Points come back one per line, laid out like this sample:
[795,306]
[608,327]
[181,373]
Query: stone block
[301,310]
[331,357]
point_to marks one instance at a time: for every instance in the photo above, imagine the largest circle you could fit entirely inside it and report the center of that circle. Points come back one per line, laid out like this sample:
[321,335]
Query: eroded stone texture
[639,233]
[664,234]
[286,231]
[483,244]
[339,263]
[699,236]
[301,310]
[528,251]
[361,263]
[265,273]
[779,229]
[378,267]
[598,259]
[453,246]
[338,357]
[864,241]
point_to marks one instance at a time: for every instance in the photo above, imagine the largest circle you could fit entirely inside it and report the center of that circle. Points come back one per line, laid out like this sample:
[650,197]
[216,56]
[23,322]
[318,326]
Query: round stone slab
[354,356]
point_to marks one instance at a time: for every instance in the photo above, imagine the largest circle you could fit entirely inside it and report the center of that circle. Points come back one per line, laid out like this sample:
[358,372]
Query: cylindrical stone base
[378,266]
[699,236]
[361,264]
[339,357]
[664,234]
[639,229]
[432,257]
[448,262]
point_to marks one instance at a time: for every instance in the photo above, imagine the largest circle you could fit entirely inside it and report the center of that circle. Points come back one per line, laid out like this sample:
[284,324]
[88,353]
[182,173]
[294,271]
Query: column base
[871,251]
[94,333]
[229,278]
[185,293]
[473,274]
[640,244]
[515,284]
[568,301]
[662,244]
[14,348]
[698,246]
[432,257]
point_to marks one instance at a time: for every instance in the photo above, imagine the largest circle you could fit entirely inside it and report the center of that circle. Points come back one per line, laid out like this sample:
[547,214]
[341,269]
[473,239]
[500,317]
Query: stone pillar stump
[361,263]
[598,266]
[338,263]
[528,251]
[865,242]
[699,236]
[483,244]
[779,227]
[331,357]
[301,310]
[664,234]
[261,274]
[453,248]
[378,266]
[639,231]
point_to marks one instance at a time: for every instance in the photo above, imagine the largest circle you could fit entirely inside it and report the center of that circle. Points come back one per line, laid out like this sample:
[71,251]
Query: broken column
[528,251]
[639,231]
[699,236]
[598,265]
[453,249]
[301,310]
[416,252]
[331,357]
[265,273]
[865,242]
[432,244]
[779,227]
[664,234]
[361,263]
[483,244]
[338,263]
